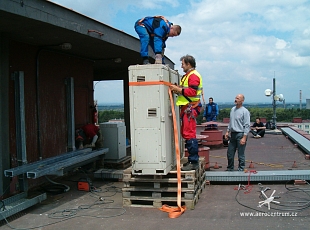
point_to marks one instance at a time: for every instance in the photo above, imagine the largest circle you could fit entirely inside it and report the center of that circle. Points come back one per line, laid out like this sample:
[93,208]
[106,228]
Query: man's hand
[243,140]
[175,89]
[226,135]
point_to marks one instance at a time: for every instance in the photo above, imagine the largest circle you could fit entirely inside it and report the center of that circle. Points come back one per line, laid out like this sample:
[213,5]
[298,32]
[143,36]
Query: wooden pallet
[123,163]
[156,190]
[195,173]
[157,202]
[168,191]
[137,182]
[160,184]
[162,188]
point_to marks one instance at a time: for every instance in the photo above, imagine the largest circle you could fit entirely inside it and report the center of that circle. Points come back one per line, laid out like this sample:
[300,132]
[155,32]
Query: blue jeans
[145,40]
[192,148]
[211,118]
[233,145]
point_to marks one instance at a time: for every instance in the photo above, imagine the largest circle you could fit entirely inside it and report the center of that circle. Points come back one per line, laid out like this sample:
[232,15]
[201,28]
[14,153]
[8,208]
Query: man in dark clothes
[258,129]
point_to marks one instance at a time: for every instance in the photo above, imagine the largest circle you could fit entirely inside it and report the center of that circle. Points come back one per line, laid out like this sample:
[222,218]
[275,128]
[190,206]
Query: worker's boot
[158,59]
[190,166]
[146,61]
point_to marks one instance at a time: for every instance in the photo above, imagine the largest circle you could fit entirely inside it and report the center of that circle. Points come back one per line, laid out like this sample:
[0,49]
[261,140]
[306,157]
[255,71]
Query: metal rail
[300,140]
[58,167]
[19,202]
[277,175]
[49,166]
[27,167]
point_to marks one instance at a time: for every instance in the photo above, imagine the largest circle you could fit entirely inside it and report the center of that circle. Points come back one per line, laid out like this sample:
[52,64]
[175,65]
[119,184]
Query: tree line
[106,115]
[283,115]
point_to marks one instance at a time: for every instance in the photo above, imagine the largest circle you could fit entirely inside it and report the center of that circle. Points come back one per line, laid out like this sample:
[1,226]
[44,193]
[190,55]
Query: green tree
[223,113]
[283,115]
[105,116]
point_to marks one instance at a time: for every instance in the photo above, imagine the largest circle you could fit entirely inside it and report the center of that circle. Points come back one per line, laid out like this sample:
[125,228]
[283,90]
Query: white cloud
[158,4]
[238,45]
[245,41]
[280,44]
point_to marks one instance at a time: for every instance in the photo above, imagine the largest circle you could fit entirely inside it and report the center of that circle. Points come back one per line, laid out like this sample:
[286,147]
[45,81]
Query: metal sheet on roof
[279,175]
[299,139]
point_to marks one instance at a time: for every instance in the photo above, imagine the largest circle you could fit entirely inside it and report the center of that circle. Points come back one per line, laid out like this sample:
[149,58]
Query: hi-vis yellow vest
[184,84]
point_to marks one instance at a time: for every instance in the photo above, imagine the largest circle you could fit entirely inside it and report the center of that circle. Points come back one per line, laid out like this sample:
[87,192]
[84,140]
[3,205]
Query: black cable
[55,188]
[67,214]
[246,205]
[291,189]
[113,189]
[299,207]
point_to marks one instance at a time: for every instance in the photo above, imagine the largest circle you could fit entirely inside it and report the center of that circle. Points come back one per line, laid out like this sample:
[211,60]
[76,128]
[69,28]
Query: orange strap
[177,211]
[144,83]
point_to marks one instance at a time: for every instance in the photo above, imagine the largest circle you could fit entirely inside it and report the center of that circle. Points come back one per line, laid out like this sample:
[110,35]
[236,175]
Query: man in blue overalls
[154,31]
[211,112]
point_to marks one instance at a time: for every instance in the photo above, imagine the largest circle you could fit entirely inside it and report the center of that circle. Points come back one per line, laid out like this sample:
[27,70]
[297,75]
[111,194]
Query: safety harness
[140,22]
[188,108]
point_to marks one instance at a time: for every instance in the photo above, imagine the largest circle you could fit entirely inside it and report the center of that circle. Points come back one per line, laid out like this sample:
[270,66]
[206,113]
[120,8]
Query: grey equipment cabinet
[153,149]
[114,134]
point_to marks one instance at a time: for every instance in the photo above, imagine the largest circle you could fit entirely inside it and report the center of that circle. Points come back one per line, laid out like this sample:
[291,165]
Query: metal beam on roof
[43,163]
[276,175]
[58,167]
[299,139]
[19,202]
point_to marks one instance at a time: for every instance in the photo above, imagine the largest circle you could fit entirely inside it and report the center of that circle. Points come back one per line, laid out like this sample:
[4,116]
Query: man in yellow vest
[189,92]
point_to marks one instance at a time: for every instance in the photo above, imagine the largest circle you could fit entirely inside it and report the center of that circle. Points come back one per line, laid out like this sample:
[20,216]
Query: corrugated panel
[54,68]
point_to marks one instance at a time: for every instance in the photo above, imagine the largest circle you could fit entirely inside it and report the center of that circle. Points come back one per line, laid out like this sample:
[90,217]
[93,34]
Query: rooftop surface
[220,206]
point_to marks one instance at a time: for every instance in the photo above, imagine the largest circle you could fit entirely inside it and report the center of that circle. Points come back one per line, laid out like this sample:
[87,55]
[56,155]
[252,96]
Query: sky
[239,45]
